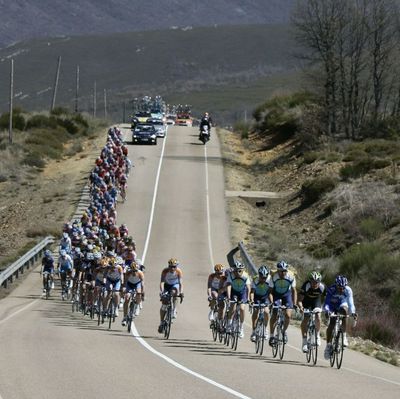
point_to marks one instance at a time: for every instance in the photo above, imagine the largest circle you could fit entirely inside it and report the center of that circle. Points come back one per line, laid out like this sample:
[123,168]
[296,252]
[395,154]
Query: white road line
[183,368]
[18,311]
[135,332]
[146,244]
[208,211]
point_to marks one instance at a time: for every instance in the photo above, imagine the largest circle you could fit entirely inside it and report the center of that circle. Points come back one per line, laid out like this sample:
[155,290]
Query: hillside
[155,62]
[25,19]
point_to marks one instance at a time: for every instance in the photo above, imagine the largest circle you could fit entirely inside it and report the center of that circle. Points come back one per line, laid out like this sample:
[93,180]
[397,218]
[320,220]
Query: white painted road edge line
[183,368]
[18,311]
[208,211]
[135,332]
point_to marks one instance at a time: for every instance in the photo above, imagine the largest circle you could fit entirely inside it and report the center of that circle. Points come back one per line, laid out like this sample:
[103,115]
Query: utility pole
[94,99]
[105,104]
[10,132]
[53,103]
[77,90]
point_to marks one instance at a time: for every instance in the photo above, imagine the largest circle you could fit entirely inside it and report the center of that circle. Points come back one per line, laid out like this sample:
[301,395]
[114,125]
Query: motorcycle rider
[205,121]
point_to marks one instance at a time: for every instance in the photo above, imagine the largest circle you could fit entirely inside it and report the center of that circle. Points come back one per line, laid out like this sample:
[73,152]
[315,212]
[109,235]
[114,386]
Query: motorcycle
[204,134]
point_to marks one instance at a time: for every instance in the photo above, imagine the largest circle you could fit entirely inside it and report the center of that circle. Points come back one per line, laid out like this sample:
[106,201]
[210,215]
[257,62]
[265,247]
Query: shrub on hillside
[242,128]
[34,159]
[356,202]
[60,111]
[69,125]
[312,190]
[41,121]
[18,121]
[281,115]
[371,228]
[80,120]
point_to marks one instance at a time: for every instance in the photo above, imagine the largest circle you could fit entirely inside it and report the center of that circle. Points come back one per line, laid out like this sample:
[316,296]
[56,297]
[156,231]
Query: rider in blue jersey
[339,299]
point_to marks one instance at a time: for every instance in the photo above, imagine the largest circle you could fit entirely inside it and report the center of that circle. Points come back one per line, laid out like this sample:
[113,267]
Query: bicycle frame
[312,336]
[279,343]
[260,327]
[337,340]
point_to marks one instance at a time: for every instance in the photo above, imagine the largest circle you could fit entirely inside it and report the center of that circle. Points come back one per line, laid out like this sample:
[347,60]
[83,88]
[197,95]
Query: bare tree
[354,45]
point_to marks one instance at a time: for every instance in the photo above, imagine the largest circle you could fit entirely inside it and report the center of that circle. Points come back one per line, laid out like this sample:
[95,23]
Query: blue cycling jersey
[335,300]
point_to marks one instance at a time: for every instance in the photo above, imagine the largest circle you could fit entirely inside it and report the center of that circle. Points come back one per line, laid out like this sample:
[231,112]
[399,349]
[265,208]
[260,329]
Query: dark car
[144,134]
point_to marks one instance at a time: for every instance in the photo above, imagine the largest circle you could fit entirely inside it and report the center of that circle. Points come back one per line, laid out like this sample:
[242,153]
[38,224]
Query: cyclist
[260,293]
[215,282]
[65,243]
[114,280]
[134,283]
[171,283]
[310,297]
[65,267]
[283,286]
[237,285]
[47,267]
[339,299]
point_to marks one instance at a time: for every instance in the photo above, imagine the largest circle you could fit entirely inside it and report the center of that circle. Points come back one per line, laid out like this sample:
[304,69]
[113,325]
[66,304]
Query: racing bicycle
[166,324]
[260,330]
[278,340]
[312,336]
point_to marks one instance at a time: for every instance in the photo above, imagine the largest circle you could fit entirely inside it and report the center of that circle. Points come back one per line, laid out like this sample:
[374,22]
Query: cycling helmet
[263,271]
[218,268]
[238,265]
[282,265]
[47,253]
[341,281]
[110,254]
[65,235]
[119,260]
[63,252]
[97,255]
[315,276]
[134,267]
[173,262]
[89,256]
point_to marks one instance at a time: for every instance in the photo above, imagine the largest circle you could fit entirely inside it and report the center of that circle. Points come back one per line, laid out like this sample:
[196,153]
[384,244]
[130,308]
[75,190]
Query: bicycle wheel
[258,332]
[339,349]
[167,322]
[111,312]
[48,287]
[314,346]
[274,346]
[221,330]
[332,356]
[309,343]
[214,330]
[281,342]
[262,338]
[235,333]
[99,310]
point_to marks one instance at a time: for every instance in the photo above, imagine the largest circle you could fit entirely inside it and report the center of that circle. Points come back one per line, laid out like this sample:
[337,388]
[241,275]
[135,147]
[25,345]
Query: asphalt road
[175,208]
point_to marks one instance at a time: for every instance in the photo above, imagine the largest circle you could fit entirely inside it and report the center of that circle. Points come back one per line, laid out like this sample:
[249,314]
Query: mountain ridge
[48,18]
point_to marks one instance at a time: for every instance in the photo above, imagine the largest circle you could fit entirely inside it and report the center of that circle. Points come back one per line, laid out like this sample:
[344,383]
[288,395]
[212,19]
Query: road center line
[134,331]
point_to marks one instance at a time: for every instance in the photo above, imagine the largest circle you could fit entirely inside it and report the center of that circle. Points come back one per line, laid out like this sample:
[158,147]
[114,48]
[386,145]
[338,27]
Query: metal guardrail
[26,261]
[247,260]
